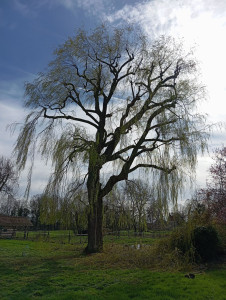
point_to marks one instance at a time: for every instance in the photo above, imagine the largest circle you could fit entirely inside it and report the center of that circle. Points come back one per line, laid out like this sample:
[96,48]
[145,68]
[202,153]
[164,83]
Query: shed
[9,225]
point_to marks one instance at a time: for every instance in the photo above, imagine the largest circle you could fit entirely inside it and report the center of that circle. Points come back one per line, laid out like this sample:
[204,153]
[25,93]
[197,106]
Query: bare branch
[166,170]
[68,117]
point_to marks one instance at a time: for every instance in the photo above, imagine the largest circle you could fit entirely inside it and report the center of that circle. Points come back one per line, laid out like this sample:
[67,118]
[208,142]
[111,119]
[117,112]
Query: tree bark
[95,215]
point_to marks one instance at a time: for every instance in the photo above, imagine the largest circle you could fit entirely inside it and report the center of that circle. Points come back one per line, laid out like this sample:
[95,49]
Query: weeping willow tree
[110,103]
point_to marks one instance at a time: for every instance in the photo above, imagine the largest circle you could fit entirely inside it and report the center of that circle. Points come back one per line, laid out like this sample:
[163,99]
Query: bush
[200,244]
[178,241]
[206,243]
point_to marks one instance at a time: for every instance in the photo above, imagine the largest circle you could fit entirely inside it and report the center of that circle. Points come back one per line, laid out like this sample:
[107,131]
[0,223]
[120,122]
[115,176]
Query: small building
[9,225]
[175,219]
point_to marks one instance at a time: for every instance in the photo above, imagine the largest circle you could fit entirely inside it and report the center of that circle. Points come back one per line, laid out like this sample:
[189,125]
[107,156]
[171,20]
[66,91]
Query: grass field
[57,270]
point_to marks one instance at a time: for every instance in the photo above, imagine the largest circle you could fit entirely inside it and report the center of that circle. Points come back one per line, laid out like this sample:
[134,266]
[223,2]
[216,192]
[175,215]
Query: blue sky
[30,30]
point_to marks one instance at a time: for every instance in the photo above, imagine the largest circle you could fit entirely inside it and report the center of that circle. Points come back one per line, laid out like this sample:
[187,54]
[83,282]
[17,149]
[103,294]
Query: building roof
[7,221]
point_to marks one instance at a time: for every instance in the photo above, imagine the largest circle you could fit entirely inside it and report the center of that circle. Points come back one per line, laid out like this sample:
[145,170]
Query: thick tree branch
[67,117]
[166,170]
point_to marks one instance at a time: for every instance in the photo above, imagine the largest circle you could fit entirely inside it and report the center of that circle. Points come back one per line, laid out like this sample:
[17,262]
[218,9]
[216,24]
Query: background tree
[9,205]
[73,212]
[138,195]
[12,207]
[50,210]
[35,210]
[177,216]
[196,212]
[117,214]
[214,196]
[8,176]
[111,103]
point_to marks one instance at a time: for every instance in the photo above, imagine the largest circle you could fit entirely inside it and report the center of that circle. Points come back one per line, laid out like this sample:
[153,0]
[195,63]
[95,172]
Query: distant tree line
[129,206]
[132,206]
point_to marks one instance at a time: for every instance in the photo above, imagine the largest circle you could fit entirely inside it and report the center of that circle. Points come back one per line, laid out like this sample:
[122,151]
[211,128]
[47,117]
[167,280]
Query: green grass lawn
[53,270]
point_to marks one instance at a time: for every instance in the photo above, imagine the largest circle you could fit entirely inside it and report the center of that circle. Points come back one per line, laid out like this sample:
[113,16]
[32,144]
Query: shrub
[200,244]
[206,243]
[180,241]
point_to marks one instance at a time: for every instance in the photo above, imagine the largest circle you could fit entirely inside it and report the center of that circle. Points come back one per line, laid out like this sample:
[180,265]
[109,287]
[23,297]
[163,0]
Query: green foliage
[68,212]
[206,243]
[196,244]
[181,240]
[49,210]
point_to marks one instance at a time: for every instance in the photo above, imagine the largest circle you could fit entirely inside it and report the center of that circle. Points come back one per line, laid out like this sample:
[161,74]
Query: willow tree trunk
[95,215]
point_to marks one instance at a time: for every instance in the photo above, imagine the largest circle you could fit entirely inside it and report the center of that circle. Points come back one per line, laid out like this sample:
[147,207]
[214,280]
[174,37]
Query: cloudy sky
[30,30]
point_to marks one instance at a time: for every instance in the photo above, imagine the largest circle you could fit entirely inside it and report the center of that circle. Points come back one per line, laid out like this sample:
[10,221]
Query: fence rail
[65,237]
[9,233]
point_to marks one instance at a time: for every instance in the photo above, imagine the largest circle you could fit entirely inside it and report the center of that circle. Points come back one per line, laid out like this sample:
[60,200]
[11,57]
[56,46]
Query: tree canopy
[110,103]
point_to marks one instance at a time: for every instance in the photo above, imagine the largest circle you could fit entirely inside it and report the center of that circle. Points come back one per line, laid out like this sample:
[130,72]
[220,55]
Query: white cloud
[11,93]
[161,16]
[199,22]
[9,114]
[11,111]
[40,175]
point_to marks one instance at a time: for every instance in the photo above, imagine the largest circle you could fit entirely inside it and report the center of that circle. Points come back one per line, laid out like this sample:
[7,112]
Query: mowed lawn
[54,270]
